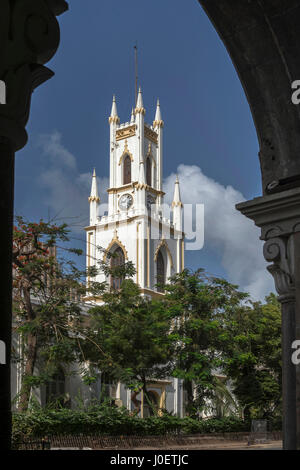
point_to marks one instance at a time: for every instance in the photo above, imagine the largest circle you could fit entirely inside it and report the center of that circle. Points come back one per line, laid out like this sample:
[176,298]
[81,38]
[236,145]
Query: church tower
[138,227]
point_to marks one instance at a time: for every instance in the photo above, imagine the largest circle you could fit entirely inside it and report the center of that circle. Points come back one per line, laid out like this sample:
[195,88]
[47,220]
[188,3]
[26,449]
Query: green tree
[46,303]
[130,335]
[252,353]
[197,303]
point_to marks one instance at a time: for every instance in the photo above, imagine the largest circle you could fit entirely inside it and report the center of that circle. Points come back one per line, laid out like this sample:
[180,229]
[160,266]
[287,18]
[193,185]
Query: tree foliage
[47,314]
[202,330]
[133,333]
[252,354]
[197,302]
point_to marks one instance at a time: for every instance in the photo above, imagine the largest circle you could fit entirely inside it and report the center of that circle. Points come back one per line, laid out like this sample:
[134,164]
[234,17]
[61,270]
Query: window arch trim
[164,244]
[115,241]
[125,153]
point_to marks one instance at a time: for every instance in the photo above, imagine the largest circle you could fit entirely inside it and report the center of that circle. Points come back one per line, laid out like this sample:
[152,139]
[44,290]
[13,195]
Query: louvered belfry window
[118,259]
[148,172]
[127,170]
[160,267]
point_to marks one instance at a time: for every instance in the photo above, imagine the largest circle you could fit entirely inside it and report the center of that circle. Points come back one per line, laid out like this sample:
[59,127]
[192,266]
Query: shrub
[105,420]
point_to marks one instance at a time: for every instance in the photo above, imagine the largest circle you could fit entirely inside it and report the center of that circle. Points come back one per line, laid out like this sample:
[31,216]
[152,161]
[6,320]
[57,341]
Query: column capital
[278,217]
[280,251]
[29,37]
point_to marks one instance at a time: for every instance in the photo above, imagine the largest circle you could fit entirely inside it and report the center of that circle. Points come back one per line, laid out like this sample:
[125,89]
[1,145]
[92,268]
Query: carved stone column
[29,37]
[278,216]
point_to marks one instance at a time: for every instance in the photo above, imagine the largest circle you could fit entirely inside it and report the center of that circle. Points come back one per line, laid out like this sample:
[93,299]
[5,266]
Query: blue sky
[208,125]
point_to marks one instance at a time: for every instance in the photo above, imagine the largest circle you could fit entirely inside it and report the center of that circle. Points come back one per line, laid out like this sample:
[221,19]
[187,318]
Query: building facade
[138,227]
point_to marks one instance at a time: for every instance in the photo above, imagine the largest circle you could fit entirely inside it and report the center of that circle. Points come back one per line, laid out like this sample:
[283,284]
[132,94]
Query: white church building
[138,228]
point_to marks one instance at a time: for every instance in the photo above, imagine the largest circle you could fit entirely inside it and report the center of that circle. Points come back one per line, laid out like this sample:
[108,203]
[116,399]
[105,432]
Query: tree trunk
[29,368]
[136,402]
[148,400]
[30,354]
[190,397]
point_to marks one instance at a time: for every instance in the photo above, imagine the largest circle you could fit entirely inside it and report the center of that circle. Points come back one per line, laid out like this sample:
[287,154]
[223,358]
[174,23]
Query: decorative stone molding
[94,199]
[125,152]
[279,251]
[278,217]
[159,123]
[163,244]
[150,155]
[114,119]
[140,111]
[125,133]
[176,204]
[277,214]
[115,241]
[151,135]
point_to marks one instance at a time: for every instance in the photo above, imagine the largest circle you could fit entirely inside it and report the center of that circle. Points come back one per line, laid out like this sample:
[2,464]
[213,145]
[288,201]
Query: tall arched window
[148,172]
[160,268]
[127,170]
[117,260]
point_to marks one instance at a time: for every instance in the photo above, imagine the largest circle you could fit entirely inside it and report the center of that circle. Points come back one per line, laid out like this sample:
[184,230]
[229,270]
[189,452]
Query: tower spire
[177,199]
[94,200]
[158,122]
[177,206]
[94,196]
[132,117]
[136,71]
[139,104]
[114,112]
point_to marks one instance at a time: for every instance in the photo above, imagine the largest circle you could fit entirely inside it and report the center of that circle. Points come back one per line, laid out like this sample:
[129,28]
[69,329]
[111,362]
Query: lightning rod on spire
[136,71]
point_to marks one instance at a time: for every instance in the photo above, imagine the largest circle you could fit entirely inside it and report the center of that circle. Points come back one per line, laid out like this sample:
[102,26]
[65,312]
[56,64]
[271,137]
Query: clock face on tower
[125,201]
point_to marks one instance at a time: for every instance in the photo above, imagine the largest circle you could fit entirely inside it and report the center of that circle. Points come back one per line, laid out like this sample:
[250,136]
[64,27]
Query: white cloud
[53,148]
[233,237]
[230,234]
[67,188]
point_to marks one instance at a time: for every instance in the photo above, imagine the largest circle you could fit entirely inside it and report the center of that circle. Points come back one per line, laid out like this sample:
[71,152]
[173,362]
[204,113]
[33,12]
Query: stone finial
[158,122]
[114,118]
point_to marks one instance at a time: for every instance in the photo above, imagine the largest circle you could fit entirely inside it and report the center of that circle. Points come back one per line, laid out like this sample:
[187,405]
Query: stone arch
[125,153]
[267,74]
[115,242]
[163,264]
[150,168]
[244,26]
[164,244]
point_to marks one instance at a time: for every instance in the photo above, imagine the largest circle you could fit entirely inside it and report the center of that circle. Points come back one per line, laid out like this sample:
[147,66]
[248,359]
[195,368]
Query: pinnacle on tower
[132,120]
[177,199]
[158,122]
[139,104]
[94,189]
[114,113]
